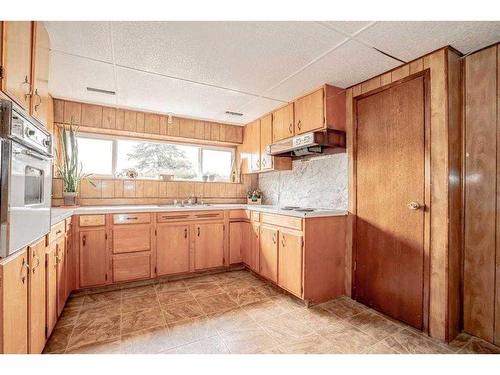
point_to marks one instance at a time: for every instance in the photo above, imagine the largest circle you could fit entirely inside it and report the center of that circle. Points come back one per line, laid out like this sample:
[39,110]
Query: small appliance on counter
[25,179]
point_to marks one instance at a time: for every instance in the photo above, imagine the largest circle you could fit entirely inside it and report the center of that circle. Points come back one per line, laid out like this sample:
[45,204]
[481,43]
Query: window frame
[114,158]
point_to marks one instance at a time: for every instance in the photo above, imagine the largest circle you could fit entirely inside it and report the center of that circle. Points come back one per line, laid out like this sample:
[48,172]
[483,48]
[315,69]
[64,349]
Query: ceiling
[203,69]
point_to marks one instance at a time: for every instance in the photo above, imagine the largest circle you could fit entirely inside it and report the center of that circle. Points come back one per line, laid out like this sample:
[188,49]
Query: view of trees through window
[153,159]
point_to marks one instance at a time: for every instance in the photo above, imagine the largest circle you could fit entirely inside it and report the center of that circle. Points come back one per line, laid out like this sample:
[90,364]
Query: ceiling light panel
[245,56]
[410,40]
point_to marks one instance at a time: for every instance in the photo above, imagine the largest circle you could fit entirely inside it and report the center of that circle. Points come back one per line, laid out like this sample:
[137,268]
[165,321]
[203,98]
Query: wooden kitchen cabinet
[283,124]
[252,140]
[93,257]
[266,138]
[36,297]
[131,238]
[254,246]
[208,246]
[319,110]
[172,249]
[61,274]
[236,241]
[40,96]
[131,266]
[268,256]
[16,61]
[51,287]
[290,262]
[14,303]
[71,258]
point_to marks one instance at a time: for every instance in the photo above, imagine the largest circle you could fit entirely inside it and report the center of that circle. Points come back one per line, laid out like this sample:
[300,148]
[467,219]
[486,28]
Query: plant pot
[205,178]
[70,198]
[254,201]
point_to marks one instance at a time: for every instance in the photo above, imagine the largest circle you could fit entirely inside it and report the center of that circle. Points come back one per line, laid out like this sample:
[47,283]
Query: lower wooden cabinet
[268,256]
[208,246]
[14,304]
[51,287]
[131,238]
[236,241]
[93,257]
[254,246]
[36,297]
[290,262]
[133,266]
[172,249]
[61,274]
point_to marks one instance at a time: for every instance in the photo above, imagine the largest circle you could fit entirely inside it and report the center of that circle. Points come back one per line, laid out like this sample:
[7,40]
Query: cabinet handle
[39,100]
[283,241]
[58,232]
[35,257]
[258,163]
[264,162]
[28,84]
[84,240]
[186,232]
[24,271]
[290,128]
[198,231]
[132,218]
[299,125]
[274,238]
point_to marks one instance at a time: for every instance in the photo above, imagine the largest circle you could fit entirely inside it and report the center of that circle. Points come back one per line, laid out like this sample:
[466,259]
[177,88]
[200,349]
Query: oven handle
[32,154]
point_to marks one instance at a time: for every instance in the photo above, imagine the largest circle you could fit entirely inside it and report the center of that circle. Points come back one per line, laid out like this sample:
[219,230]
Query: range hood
[308,143]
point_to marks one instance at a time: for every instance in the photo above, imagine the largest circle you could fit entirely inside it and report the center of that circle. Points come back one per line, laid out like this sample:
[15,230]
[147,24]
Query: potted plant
[254,197]
[68,166]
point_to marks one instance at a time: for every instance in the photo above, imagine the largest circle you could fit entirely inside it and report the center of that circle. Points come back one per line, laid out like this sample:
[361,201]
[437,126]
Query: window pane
[218,163]
[96,155]
[151,159]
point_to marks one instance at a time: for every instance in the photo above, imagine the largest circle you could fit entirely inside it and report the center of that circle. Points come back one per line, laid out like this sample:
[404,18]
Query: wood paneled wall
[136,191]
[481,198]
[116,121]
[444,168]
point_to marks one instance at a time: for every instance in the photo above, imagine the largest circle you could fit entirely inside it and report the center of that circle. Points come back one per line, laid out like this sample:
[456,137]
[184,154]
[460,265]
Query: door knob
[413,205]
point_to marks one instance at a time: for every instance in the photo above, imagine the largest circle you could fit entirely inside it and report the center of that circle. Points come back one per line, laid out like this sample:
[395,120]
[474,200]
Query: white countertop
[58,214]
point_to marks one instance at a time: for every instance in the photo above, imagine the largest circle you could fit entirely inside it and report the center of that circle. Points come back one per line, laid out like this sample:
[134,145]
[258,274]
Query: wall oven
[25,179]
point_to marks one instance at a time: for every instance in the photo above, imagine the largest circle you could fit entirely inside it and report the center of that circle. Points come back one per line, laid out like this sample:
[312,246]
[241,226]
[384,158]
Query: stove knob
[46,142]
[30,132]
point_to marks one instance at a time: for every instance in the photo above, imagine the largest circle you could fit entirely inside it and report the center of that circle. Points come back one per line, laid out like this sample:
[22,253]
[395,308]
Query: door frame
[427,188]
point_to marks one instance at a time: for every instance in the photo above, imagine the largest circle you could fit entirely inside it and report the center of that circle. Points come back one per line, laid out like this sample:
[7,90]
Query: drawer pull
[84,240]
[175,217]
[185,233]
[132,218]
[207,215]
[198,231]
[58,232]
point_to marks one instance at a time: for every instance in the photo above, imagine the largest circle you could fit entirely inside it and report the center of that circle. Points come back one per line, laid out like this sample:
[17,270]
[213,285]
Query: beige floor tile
[204,289]
[286,327]
[248,339]
[92,312]
[310,344]
[149,341]
[245,296]
[381,348]
[211,345]
[478,346]
[265,309]
[168,297]
[188,331]
[460,341]
[105,347]
[110,297]
[148,301]
[374,324]
[170,285]
[182,311]
[216,303]
[346,339]
[408,342]
[94,331]
[230,320]
[58,340]
[145,290]
[343,307]
[69,316]
[141,320]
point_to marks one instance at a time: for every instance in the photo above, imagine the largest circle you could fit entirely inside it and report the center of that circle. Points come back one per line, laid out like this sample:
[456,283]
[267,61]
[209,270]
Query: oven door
[28,197]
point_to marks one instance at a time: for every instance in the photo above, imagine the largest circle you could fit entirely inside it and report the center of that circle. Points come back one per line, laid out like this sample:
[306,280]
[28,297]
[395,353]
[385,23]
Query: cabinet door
[133,266]
[310,112]
[268,259]
[51,287]
[70,264]
[14,314]
[36,300]
[236,230]
[131,238]
[283,123]
[254,246]
[209,246]
[17,61]
[266,138]
[290,262]
[172,249]
[252,132]
[40,101]
[246,237]
[93,258]
[61,274]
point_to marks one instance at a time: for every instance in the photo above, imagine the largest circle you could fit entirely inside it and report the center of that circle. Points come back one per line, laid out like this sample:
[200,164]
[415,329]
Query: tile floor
[233,312]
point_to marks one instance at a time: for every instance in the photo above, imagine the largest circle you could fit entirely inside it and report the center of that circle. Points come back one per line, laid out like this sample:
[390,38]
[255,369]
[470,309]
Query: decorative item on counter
[166,177]
[205,177]
[131,173]
[254,197]
[68,167]
[211,177]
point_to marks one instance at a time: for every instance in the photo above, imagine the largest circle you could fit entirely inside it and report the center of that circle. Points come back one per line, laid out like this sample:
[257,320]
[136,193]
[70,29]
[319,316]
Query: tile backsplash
[317,182]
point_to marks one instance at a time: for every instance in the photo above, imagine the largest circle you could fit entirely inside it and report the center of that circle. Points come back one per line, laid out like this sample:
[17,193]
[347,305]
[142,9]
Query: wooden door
[236,242]
[268,258]
[51,287]
[266,138]
[209,245]
[252,134]
[61,274]
[389,273]
[17,61]
[131,266]
[36,297]
[283,123]
[14,304]
[310,112]
[290,262]
[172,249]
[93,258]
[40,101]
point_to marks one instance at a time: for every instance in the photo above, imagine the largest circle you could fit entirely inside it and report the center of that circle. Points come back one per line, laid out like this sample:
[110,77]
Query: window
[113,157]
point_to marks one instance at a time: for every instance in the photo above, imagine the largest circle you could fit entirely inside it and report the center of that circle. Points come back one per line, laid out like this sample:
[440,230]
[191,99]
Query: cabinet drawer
[92,220]
[255,216]
[56,231]
[208,215]
[127,267]
[138,218]
[131,238]
[282,221]
[239,214]
[164,217]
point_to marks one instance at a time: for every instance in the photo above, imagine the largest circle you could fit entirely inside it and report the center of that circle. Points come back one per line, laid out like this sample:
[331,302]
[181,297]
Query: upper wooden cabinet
[266,138]
[16,61]
[40,95]
[283,124]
